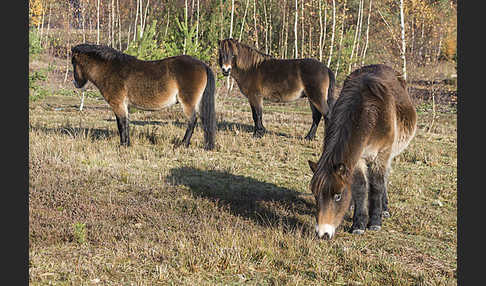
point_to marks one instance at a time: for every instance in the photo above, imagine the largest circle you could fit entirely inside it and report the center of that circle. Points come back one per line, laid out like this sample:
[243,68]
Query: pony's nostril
[326,236]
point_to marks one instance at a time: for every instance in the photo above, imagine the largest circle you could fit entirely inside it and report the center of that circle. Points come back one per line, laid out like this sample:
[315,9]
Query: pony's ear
[312,165]
[340,170]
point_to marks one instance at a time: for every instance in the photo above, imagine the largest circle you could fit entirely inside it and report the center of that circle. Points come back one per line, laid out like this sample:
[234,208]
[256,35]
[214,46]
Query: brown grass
[153,214]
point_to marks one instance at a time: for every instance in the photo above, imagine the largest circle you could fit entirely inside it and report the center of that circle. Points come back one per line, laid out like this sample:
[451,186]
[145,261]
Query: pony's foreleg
[121,113]
[316,118]
[386,211]
[359,190]
[190,129]
[257,112]
[377,177]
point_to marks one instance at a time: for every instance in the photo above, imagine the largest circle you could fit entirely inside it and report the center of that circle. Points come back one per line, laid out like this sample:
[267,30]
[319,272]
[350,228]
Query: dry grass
[242,214]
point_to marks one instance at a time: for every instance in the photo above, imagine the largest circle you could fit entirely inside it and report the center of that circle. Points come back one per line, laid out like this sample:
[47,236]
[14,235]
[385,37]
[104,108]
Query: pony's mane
[248,57]
[339,142]
[101,52]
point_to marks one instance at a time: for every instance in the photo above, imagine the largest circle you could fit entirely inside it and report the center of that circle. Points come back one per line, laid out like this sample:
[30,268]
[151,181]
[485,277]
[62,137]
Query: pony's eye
[337,197]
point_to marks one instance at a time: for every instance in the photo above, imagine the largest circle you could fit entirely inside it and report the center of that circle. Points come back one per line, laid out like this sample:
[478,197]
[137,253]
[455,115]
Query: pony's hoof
[375,227]
[358,231]
[386,214]
[258,134]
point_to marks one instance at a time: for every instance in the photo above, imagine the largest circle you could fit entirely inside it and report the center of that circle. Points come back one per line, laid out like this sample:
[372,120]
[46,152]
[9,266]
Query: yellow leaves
[35,12]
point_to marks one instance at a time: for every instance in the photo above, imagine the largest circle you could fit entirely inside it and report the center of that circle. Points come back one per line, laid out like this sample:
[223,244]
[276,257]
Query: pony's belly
[154,103]
[283,96]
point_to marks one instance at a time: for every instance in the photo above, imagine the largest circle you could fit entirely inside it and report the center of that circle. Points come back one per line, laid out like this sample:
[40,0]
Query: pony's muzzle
[325,231]
[226,70]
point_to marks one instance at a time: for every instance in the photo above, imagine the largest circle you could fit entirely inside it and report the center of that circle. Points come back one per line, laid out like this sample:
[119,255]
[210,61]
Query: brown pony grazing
[372,121]
[261,76]
[125,81]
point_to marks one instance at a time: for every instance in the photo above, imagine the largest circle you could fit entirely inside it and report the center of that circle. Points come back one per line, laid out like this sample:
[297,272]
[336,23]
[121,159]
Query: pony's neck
[248,59]
[344,141]
[94,72]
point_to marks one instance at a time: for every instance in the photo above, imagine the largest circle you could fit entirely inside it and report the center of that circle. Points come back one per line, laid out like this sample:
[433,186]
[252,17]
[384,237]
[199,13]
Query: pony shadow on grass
[228,126]
[94,134]
[266,204]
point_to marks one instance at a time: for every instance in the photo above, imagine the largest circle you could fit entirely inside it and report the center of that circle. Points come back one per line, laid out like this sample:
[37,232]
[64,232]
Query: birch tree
[341,40]
[295,29]
[98,22]
[402,25]
[367,35]
[243,21]
[333,31]
[355,36]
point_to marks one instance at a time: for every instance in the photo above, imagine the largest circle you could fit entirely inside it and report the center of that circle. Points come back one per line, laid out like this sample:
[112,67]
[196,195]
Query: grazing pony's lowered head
[331,189]
[232,53]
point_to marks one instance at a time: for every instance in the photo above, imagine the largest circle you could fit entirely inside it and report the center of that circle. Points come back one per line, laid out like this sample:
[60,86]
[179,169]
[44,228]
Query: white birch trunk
[98,23]
[333,31]
[402,25]
[197,23]
[243,21]
[367,35]
[320,30]
[341,40]
[296,55]
[355,37]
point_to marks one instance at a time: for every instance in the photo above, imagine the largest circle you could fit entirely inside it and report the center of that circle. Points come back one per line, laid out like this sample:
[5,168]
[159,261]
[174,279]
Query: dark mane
[101,52]
[342,135]
[248,57]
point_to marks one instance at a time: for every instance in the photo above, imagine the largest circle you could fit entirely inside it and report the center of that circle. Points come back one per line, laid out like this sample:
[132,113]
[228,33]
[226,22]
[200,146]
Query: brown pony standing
[261,76]
[373,120]
[125,81]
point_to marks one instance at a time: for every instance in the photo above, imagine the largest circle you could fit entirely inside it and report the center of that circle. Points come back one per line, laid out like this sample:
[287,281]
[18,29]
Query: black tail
[331,98]
[207,110]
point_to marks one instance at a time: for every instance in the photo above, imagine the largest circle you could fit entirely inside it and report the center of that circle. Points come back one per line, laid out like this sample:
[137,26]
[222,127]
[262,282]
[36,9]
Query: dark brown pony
[372,121]
[261,76]
[125,81]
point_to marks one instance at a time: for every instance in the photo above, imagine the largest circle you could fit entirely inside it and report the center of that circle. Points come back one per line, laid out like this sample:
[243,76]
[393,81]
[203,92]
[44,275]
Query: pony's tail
[207,110]
[331,98]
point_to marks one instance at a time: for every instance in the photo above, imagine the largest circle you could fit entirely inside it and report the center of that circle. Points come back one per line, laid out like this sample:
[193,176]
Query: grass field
[153,214]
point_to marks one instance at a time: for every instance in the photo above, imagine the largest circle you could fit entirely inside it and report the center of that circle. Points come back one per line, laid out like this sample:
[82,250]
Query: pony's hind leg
[190,129]
[316,118]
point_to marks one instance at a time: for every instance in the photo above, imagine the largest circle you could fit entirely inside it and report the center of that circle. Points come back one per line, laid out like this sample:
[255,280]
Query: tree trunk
[333,31]
[232,13]
[255,23]
[367,35]
[197,23]
[296,49]
[340,40]
[243,21]
[355,36]
[320,30]
[402,25]
[302,36]
[359,31]
[98,23]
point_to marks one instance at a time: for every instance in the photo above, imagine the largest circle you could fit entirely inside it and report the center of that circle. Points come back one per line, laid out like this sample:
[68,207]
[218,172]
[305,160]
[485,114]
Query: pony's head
[227,53]
[333,196]
[79,74]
